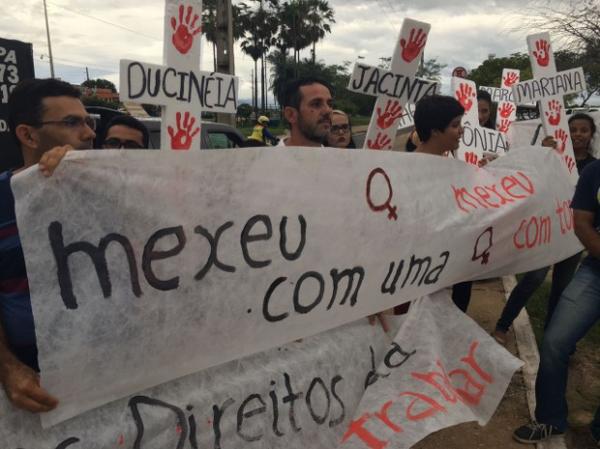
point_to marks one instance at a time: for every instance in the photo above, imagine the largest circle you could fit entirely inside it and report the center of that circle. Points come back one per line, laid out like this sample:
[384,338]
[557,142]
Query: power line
[79,64]
[105,21]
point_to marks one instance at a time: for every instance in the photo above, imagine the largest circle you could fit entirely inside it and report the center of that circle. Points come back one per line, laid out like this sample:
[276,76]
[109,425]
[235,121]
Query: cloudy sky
[97,33]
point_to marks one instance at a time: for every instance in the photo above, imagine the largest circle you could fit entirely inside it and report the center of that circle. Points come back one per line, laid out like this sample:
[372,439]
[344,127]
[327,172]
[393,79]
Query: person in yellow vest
[261,133]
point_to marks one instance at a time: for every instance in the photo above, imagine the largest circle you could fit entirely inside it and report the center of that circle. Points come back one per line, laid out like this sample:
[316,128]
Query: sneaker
[535,432]
[500,336]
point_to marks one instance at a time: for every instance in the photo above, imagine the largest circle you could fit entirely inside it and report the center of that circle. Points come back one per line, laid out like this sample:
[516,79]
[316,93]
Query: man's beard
[311,132]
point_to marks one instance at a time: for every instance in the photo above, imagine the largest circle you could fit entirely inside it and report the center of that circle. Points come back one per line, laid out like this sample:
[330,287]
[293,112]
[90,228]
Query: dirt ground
[583,394]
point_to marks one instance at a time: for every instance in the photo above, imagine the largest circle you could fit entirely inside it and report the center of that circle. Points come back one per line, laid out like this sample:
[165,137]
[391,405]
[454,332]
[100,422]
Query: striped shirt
[15,303]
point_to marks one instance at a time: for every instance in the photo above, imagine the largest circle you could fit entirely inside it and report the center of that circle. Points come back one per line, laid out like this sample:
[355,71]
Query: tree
[209,25]
[99,83]
[319,18]
[489,73]
[431,70]
[575,29]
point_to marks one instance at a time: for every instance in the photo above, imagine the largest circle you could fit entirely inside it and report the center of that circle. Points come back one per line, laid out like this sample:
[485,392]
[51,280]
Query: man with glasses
[125,131]
[47,119]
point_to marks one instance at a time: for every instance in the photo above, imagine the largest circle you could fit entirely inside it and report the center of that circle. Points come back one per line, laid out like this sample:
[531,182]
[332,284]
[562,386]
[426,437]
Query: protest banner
[178,85]
[130,281]
[16,64]
[304,394]
[476,140]
[548,88]
[396,88]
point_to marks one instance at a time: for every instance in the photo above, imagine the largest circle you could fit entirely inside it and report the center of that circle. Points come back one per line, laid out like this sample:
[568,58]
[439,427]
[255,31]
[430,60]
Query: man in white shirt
[307,105]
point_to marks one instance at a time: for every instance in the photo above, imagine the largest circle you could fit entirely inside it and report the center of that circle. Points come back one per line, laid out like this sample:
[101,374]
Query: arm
[21,383]
[585,231]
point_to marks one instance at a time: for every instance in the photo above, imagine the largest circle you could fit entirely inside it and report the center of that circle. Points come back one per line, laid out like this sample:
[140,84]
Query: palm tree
[209,25]
[320,18]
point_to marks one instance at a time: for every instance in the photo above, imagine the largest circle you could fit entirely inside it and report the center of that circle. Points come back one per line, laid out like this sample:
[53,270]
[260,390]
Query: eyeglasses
[338,128]
[73,122]
[114,143]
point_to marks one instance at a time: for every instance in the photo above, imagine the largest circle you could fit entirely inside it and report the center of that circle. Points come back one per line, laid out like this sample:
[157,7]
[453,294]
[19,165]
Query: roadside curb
[528,353]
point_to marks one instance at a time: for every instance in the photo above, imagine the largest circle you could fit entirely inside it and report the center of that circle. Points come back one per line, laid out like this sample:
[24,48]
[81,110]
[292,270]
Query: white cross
[548,87]
[179,86]
[506,112]
[396,88]
[476,140]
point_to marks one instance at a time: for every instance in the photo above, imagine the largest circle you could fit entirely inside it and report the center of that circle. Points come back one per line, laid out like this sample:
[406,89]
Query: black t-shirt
[582,163]
[587,197]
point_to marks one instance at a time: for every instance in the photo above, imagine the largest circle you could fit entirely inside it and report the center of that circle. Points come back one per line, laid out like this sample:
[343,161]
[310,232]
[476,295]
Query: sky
[98,33]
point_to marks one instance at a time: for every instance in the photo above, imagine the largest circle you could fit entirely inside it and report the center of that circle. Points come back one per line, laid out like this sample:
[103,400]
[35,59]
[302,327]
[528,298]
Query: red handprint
[182,140]
[505,110]
[561,137]
[411,49]
[381,141]
[471,158]
[504,125]
[510,79]
[393,111]
[465,96]
[543,52]
[554,114]
[183,36]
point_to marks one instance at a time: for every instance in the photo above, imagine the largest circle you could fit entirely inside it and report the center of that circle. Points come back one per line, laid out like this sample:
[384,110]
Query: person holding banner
[47,119]
[582,129]
[307,106]
[577,311]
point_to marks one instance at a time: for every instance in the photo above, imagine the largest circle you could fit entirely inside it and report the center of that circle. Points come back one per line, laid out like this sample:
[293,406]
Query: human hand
[22,386]
[51,158]
[381,318]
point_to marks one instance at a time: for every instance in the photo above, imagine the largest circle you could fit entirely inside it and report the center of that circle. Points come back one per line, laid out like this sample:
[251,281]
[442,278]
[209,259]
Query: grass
[536,308]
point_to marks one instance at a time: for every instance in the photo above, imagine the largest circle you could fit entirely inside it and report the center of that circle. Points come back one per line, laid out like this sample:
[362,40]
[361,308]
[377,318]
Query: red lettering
[433,409]
[503,200]
[528,242]
[357,428]
[383,417]
[516,234]
[485,196]
[464,393]
[447,390]
[462,195]
[472,362]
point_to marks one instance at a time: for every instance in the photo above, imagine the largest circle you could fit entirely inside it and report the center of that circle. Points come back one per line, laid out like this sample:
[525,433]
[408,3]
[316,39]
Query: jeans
[461,295]
[576,312]
[529,283]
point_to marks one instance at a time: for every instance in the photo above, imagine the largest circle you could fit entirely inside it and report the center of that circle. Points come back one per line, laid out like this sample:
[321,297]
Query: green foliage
[284,70]
[244,110]
[489,73]
[99,83]
[95,101]
[431,70]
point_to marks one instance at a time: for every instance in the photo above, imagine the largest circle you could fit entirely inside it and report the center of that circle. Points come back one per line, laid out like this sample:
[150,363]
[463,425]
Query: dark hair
[25,102]
[435,113]
[582,116]
[130,122]
[484,95]
[291,94]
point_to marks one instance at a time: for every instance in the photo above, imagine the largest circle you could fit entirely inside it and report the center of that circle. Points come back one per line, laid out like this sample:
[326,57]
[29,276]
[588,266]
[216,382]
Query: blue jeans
[529,283]
[576,312]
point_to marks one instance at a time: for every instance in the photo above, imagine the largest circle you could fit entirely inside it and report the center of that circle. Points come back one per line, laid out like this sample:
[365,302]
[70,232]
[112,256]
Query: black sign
[16,64]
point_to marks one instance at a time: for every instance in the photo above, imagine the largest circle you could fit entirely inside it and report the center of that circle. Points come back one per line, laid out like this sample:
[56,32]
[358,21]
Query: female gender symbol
[386,204]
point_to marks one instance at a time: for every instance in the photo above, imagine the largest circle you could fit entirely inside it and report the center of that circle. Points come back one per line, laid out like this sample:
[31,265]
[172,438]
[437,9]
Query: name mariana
[563,83]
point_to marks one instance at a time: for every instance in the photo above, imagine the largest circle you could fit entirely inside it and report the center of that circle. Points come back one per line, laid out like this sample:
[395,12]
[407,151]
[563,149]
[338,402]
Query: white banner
[304,394]
[145,267]
[418,389]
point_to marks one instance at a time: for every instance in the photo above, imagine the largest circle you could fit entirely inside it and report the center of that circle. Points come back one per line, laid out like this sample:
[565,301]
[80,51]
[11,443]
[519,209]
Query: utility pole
[224,37]
[49,45]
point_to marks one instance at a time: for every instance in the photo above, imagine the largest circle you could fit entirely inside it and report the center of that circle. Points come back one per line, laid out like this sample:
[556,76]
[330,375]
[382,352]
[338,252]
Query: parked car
[213,135]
